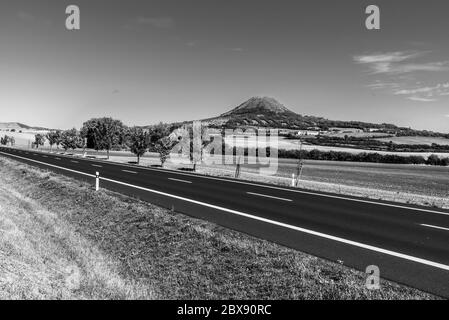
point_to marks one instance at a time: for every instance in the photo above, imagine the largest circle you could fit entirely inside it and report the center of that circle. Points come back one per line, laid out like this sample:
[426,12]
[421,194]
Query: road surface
[409,244]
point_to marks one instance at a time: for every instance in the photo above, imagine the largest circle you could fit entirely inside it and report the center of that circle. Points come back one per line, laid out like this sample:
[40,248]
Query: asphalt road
[409,244]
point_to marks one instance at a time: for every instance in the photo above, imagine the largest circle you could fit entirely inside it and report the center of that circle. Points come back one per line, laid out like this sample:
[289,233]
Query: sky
[145,61]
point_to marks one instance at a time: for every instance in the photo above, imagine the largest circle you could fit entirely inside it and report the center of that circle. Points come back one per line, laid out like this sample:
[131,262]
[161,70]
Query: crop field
[416,140]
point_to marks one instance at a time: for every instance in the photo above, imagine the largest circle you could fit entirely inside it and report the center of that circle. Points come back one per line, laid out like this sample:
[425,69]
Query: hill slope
[268,112]
[19,126]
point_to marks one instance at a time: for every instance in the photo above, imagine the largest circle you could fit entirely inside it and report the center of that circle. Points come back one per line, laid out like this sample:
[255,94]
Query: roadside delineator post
[97,181]
[293,179]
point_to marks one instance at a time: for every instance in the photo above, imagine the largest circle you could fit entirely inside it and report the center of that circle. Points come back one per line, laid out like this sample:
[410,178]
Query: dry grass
[125,248]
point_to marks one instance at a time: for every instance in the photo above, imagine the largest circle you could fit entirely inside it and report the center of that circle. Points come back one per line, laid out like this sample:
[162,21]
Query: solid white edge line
[50,165]
[275,187]
[277,223]
[179,180]
[267,196]
[434,227]
[288,226]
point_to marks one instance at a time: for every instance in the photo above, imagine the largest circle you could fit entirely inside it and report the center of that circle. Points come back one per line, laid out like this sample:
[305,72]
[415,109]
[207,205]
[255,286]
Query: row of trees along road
[5,140]
[109,134]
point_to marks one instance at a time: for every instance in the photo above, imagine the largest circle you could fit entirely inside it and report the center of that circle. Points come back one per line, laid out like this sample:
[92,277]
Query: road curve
[409,244]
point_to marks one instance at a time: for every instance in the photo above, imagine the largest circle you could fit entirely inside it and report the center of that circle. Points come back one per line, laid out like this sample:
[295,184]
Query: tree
[39,140]
[138,140]
[4,140]
[164,146]
[433,160]
[104,133]
[161,142]
[53,137]
[71,139]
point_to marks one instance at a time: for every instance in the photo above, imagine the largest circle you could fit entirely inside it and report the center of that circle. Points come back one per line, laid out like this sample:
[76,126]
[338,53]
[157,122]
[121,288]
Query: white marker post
[293,179]
[97,181]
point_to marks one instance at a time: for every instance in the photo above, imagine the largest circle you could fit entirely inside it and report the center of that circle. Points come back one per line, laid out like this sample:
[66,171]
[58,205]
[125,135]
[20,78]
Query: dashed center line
[97,165]
[58,158]
[45,156]
[128,171]
[74,161]
[267,196]
[434,227]
[179,180]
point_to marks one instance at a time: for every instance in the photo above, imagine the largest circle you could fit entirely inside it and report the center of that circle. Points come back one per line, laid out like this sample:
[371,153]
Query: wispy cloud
[420,99]
[155,22]
[160,22]
[378,85]
[440,89]
[399,62]
[398,71]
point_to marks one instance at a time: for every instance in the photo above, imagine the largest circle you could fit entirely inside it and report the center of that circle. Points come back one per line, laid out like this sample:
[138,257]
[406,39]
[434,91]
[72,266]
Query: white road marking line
[50,165]
[58,158]
[288,226]
[435,227]
[284,189]
[269,221]
[267,196]
[128,171]
[179,180]
[97,165]
[74,161]
[45,156]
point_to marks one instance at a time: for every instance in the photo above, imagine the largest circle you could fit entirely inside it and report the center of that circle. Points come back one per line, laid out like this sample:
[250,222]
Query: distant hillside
[268,112]
[19,126]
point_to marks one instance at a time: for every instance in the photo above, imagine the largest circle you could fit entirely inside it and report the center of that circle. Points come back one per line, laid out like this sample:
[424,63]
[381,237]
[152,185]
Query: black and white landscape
[224,150]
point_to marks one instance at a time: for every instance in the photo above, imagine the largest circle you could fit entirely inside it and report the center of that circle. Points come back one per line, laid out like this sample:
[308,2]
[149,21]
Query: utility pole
[237,169]
[300,164]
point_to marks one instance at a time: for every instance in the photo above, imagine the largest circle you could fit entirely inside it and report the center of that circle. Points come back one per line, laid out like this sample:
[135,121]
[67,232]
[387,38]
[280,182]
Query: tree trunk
[138,159]
[107,152]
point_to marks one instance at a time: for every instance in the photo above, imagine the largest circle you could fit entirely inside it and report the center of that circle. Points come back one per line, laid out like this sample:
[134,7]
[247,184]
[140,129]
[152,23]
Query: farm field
[416,140]
[289,144]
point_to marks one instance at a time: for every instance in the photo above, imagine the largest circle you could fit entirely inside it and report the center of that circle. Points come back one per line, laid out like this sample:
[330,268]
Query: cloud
[378,85]
[161,22]
[388,57]
[441,89]
[398,71]
[420,99]
[398,62]
[154,22]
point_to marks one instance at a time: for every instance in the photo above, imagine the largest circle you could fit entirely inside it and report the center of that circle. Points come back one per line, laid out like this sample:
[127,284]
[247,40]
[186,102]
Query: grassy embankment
[59,239]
